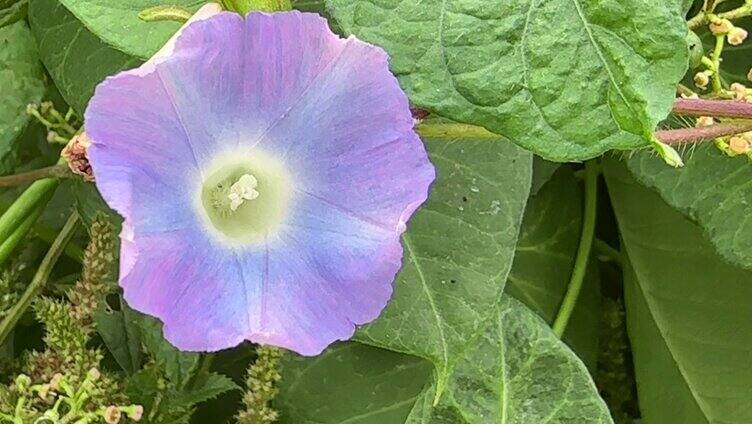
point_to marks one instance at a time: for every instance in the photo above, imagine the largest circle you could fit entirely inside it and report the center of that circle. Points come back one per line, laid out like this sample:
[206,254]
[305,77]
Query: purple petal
[330,111]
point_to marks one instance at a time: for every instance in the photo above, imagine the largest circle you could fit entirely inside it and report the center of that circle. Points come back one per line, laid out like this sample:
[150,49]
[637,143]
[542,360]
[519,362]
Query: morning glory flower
[265,169]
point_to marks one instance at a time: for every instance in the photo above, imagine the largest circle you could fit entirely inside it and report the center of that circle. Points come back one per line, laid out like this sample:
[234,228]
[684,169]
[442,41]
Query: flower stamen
[243,189]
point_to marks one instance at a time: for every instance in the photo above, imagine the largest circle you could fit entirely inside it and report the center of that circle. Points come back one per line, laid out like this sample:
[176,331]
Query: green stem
[583,250]
[47,234]
[720,41]
[25,210]
[165,13]
[245,6]
[703,17]
[9,245]
[605,251]
[40,278]
[35,195]
[697,21]
[455,130]
[37,174]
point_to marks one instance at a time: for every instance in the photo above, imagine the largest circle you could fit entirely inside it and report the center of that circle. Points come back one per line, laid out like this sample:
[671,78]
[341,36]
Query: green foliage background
[662,330]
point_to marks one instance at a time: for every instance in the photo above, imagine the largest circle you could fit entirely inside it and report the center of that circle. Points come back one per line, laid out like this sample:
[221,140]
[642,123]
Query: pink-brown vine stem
[695,135]
[37,174]
[716,108]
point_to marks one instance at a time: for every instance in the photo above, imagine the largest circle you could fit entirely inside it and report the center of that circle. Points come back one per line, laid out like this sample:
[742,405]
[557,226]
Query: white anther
[244,189]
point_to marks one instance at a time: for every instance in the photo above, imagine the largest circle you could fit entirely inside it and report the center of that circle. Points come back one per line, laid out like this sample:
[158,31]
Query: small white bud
[704,121]
[739,145]
[702,79]
[736,36]
[720,26]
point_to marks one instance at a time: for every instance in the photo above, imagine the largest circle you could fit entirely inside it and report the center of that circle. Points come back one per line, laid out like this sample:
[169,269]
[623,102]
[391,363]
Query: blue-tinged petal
[198,293]
[310,123]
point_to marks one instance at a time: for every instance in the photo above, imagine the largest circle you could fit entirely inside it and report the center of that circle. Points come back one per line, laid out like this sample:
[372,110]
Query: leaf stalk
[40,278]
[58,171]
[583,250]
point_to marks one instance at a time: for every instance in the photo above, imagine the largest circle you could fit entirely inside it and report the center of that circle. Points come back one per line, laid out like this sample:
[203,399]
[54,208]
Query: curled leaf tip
[165,12]
[667,153]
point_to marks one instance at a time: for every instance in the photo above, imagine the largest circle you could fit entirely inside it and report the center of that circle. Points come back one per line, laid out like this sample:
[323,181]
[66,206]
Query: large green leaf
[568,79]
[21,83]
[12,11]
[688,313]
[713,190]
[517,372]
[76,59]
[178,366]
[350,383]
[121,333]
[544,260]
[117,23]
[543,170]
[458,251]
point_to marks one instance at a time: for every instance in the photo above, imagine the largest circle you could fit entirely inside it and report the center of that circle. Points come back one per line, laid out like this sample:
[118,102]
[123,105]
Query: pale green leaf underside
[713,190]
[517,372]
[688,313]
[567,79]
[458,250]
[76,59]
[544,261]
[117,23]
[21,83]
[350,383]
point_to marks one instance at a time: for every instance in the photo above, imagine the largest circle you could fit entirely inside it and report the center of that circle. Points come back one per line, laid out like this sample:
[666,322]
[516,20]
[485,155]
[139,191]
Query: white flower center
[242,190]
[244,197]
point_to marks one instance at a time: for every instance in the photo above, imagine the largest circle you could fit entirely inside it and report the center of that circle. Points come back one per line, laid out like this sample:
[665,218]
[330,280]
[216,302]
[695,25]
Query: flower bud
[55,382]
[52,136]
[76,154]
[46,107]
[749,74]
[112,415]
[93,374]
[702,79]
[134,412]
[720,26]
[739,90]
[704,121]
[690,96]
[739,145]
[736,36]
[23,382]
[44,390]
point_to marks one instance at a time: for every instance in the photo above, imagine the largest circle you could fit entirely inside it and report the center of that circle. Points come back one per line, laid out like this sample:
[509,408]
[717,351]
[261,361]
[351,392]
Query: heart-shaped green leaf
[517,372]
[76,59]
[567,79]
[688,313]
[458,251]
[21,83]
[713,190]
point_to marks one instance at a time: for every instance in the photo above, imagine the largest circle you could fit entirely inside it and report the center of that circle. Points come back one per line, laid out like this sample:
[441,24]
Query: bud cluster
[261,388]
[60,128]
